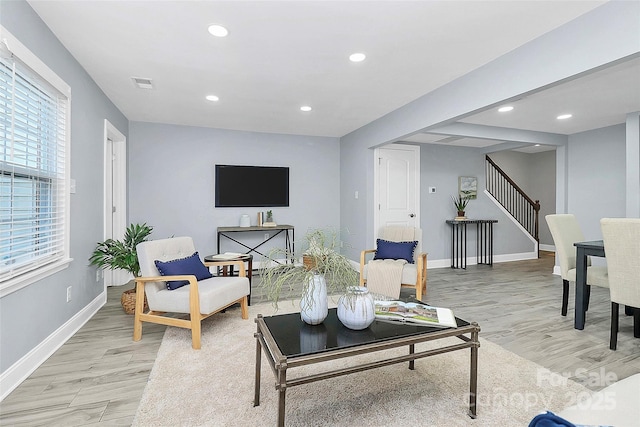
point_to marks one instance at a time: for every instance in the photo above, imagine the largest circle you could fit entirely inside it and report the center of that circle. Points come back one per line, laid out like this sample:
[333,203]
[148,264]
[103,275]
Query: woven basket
[128,301]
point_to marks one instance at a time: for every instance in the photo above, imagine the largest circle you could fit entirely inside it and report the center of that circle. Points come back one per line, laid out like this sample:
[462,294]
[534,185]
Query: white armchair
[566,231]
[414,274]
[196,292]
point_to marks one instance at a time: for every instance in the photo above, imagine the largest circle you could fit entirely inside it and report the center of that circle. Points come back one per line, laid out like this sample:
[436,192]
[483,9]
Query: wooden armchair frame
[421,269]
[195,317]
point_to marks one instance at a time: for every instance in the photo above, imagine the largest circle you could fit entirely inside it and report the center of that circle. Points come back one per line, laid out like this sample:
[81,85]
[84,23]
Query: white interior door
[398,186]
[115,195]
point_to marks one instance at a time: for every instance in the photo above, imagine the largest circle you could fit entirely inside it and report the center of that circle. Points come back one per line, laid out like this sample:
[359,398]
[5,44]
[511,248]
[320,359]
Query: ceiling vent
[142,83]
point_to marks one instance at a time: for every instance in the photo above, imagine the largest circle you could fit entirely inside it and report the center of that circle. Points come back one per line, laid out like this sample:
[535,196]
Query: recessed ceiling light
[218,30]
[537,145]
[305,108]
[505,108]
[212,98]
[564,116]
[357,57]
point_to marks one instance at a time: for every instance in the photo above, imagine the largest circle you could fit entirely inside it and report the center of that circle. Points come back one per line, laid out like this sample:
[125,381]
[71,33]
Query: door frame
[114,195]
[376,187]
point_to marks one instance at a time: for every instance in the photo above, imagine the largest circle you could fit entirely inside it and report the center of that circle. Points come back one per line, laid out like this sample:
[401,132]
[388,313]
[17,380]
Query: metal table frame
[284,228]
[484,241]
[281,364]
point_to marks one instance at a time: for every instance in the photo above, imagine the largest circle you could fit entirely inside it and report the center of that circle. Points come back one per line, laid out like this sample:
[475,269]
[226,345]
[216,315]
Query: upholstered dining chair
[566,231]
[621,238]
[397,242]
[175,280]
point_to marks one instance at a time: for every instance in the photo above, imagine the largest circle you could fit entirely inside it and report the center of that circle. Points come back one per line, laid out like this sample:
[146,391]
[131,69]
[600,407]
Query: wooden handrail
[510,181]
[519,205]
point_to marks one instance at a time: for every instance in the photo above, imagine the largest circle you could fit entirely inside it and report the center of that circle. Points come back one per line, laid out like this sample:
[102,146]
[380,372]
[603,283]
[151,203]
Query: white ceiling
[282,55]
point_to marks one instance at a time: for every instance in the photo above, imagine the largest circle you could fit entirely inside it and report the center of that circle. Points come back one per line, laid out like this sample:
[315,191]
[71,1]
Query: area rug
[214,386]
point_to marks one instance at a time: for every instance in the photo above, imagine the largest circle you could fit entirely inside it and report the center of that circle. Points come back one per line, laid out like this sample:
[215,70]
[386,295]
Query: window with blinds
[33,169]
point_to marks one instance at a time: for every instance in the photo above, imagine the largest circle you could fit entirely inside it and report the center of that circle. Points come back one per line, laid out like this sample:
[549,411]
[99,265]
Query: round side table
[228,270]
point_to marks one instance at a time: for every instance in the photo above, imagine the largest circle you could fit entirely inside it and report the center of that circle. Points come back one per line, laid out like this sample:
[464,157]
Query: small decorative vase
[461,213]
[314,305]
[356,309]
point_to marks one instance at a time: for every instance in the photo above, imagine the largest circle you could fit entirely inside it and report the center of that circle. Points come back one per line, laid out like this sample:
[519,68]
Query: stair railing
[513,199]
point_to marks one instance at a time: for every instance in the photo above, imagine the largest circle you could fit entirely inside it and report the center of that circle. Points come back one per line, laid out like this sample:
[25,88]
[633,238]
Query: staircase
[513,199]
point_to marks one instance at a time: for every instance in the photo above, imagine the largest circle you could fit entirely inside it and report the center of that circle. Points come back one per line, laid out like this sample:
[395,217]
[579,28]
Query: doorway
[397,181]
[115,195]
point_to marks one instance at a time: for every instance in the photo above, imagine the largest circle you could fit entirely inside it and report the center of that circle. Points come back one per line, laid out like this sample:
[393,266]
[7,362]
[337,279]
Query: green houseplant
[322,266]
[460,203]
[121,254]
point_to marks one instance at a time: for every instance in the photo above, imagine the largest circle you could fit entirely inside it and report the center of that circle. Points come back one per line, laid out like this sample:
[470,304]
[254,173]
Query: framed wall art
[468,186]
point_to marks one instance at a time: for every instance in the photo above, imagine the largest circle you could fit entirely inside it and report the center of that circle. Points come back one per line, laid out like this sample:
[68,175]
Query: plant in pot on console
[323,270]
[460,203]
[121,254]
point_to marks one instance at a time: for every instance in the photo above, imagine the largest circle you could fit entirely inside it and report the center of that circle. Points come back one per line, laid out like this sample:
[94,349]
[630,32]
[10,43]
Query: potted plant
[121,254]
[323,270]
[460,203]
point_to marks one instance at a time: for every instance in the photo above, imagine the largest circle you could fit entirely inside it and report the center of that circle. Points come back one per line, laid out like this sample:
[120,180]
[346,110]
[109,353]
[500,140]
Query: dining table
[583,251]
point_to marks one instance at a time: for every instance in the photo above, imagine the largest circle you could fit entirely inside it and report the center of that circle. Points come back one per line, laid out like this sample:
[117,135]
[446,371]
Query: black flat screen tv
[251,186]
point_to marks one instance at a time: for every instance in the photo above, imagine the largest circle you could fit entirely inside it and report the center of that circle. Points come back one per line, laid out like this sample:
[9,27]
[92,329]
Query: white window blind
[33,175]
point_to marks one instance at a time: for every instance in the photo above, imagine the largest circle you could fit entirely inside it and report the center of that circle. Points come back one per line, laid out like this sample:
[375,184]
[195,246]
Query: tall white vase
[356,309]
[314,305]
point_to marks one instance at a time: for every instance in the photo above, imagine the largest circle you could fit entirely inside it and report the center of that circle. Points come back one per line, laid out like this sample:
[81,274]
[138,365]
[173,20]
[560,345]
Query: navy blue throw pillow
[190,265]
[395,250]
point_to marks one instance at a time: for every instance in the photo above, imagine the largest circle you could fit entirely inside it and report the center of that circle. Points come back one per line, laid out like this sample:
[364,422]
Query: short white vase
[356,309]
[314,305]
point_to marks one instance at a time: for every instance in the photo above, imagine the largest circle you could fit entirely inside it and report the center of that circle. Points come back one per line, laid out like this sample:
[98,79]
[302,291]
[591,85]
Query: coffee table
[280,338]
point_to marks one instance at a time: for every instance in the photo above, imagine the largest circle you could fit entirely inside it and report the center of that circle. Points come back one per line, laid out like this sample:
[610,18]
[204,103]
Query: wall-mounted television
[251,186]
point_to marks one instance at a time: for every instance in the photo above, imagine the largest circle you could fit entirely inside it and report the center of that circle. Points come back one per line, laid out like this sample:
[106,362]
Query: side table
[228,270]
[484,244]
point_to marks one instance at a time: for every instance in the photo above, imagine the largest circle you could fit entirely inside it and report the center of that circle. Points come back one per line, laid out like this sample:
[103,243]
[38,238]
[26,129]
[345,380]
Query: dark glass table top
[592,247]
[296,338]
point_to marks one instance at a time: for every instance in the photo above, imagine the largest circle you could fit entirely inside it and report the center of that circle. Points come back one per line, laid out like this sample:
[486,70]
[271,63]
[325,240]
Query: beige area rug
[215,386]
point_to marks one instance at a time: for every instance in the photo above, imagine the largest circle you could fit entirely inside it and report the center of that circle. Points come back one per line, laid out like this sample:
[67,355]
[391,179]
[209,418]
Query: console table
[286,230]
[484,241]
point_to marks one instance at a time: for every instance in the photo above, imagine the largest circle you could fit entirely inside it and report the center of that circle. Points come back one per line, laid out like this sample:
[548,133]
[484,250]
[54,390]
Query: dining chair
[399,242]
[566,231]
[175,280]
[621,238]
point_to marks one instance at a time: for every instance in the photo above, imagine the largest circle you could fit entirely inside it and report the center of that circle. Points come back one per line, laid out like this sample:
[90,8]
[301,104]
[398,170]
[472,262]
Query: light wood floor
[99,375]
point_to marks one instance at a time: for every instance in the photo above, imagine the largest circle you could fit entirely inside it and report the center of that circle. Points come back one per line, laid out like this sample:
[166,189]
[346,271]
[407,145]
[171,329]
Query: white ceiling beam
[469,130]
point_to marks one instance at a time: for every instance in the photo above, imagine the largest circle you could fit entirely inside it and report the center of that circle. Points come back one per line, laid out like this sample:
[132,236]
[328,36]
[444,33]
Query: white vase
[356,309]
[314,305]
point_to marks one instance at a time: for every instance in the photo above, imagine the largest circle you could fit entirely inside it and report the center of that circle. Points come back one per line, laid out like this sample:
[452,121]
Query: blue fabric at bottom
[549,419]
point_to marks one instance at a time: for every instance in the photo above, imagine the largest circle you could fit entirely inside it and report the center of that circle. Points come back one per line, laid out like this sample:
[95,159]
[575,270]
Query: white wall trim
[446,262]
[548,248]
[20,371]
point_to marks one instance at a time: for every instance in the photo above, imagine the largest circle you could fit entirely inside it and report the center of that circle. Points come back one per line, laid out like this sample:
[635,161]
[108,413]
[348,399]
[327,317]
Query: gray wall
[31,314]
[535,174]
[171,181]
[596,177]
[440,167]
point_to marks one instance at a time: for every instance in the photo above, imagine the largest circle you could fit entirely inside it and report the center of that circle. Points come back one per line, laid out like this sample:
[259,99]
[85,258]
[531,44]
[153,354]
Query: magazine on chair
[415,313]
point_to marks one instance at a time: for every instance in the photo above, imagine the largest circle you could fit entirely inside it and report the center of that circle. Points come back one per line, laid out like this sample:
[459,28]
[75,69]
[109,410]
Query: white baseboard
[548,248]
[442,263]
[20,371]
